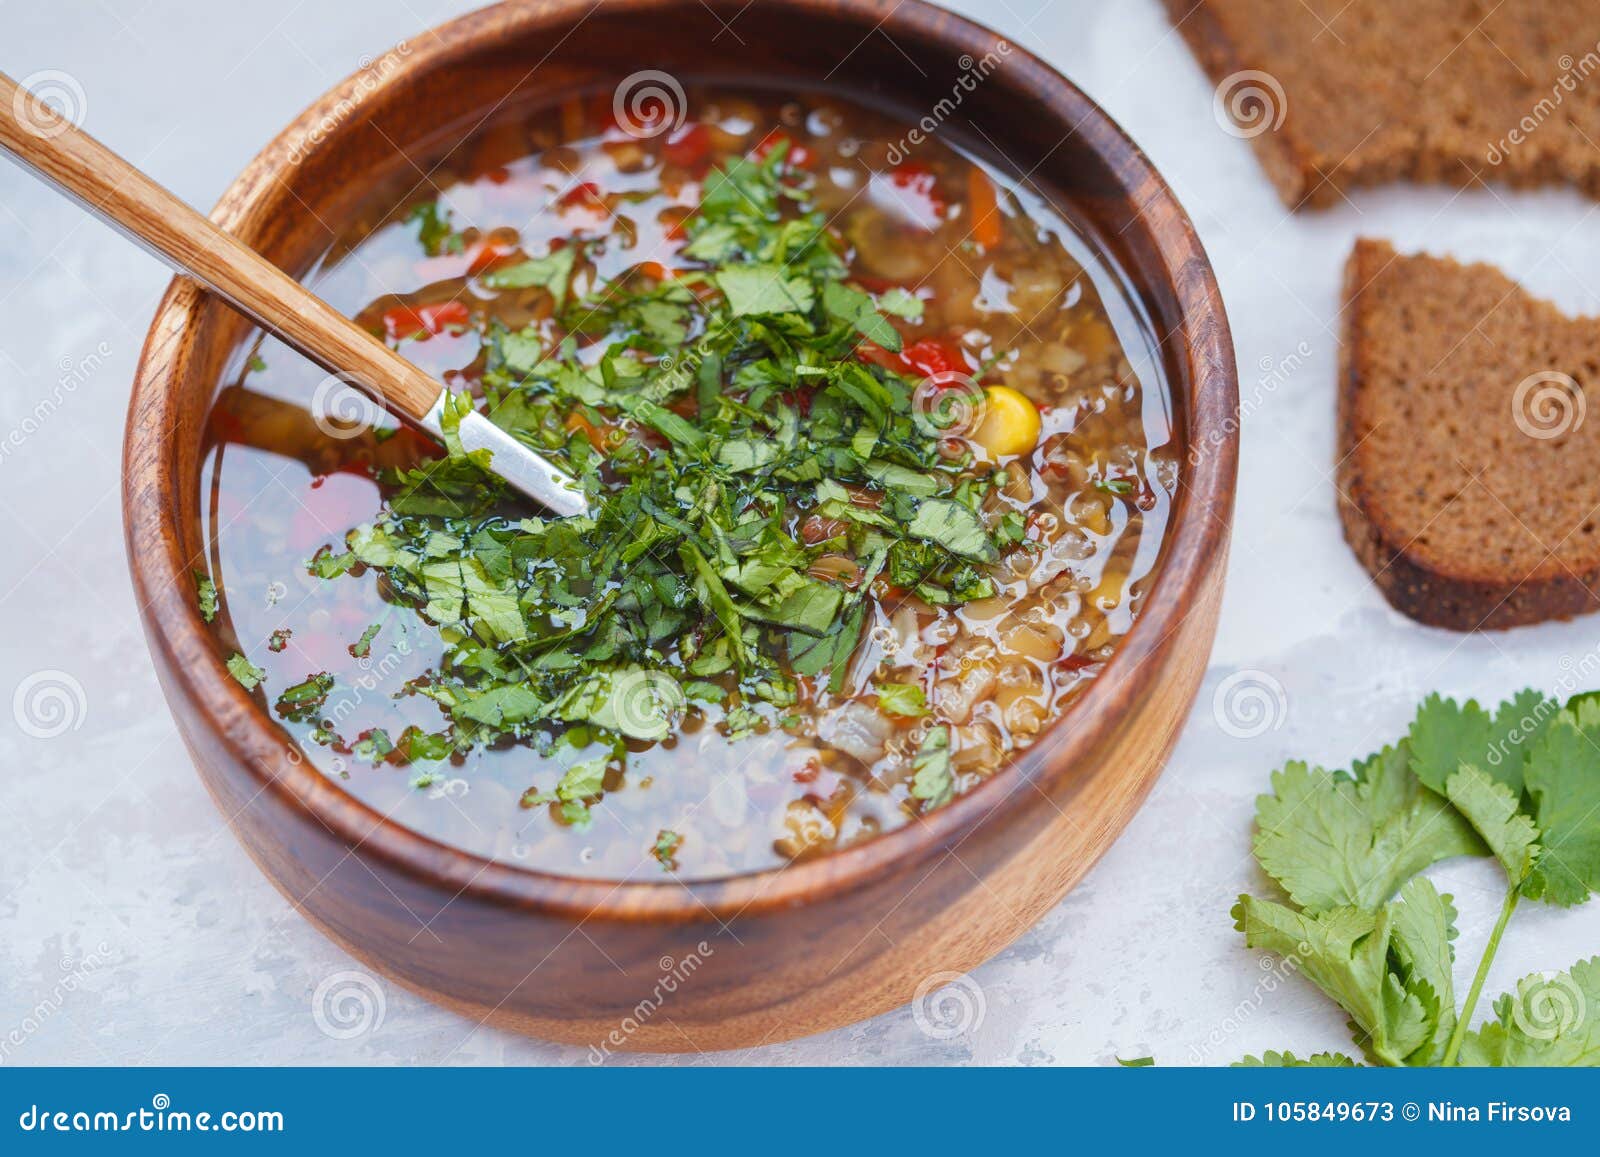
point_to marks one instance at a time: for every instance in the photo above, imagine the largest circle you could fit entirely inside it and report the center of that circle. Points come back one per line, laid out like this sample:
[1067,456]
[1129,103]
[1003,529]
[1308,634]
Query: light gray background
[134,930]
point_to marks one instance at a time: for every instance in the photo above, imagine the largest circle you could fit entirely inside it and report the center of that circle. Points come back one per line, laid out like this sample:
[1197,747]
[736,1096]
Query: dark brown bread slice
[1421,90]
[1469,467]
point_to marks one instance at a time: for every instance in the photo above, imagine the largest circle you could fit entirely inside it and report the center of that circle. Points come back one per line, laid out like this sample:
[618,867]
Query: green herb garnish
[904,699]
[205,595]
[666,849]
[248,675]
[1521,785]
[932,781]
[709,420]
[304,700]
[362,647]
[434,230]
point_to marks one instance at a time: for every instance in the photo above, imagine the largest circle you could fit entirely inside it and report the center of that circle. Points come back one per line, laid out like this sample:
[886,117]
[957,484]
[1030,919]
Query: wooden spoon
[79,165]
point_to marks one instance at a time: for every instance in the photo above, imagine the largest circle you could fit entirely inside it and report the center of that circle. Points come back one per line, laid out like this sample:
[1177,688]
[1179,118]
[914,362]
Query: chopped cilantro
[666,849]
[1119,486]
[362,647]
[434,230]
[373,746]
[707,418]
[552,273]
[932,782]
[416,744]
[279,640]
[206,594]
[248,675]
[301,702]
[904,699]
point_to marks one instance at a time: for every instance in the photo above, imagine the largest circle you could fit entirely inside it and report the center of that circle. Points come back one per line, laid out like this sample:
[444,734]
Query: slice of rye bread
[1374,91]
[1469,470]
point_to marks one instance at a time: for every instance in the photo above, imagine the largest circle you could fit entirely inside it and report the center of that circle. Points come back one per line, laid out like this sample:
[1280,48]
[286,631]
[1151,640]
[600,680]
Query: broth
[395,684]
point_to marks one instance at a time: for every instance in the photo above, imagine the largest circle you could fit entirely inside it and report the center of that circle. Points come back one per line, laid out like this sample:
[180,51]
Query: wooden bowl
[753,958]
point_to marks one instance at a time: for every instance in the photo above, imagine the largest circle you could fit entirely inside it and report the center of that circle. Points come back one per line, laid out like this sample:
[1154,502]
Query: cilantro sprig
[727,439]
[1521,784]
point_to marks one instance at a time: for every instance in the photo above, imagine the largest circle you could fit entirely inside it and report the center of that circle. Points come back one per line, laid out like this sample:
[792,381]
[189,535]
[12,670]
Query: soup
[878,457]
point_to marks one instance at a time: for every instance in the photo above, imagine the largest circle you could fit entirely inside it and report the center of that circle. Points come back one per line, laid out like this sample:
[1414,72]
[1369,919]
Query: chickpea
[1010,423]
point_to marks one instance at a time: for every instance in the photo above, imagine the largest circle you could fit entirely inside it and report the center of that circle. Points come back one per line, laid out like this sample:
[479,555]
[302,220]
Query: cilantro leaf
[855,308]
[763,289]
[434,231]
[305,699]
[1424,955]
[1446,735]
[811,654]
[1345,952]
[583,780]
[362,647]
[1548,1022]
[708,417]
[906,700]
[1492,810]
[954,527]
[552,273]
[666,848]
[1286,1060]
[248,675]
[902,303]
[932,782]
[1563,781]
[206,595]
[1337,839]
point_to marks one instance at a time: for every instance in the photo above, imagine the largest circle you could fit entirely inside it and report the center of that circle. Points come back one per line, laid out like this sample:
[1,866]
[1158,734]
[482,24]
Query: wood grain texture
[747,959]
[126,198]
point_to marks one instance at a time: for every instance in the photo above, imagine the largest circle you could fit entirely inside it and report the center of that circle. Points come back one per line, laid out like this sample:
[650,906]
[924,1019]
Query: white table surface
[133,929]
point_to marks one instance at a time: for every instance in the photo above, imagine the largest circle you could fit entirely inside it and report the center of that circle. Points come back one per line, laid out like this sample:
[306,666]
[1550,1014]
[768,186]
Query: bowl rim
[1198,532]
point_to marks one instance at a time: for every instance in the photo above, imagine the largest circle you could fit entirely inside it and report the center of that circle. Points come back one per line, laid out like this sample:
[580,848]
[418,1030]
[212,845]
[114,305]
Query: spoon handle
[114,190]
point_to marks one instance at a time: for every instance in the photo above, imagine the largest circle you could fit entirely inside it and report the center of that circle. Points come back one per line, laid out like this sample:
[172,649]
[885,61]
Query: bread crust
[1314,157]
[1288,164]
[1434,594]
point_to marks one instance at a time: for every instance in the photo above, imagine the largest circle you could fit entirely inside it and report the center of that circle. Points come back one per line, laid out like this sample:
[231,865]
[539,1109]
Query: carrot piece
[598,436]
[983,208]
[656,270]
[405,321]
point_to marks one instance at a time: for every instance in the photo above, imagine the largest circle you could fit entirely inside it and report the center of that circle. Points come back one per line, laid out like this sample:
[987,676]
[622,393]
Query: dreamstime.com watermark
[973,73]
[73,975]
[1249,103]
[1578,673]
[1273,973]
[1249,703]
[648,103]
[48,704]
[947,1005]
[371,75]
[1549,1007]
[49,102]
[1573,74]
[73,372]
[1548,404]
[159,1117]
[347,1004]
[1274,374]
[674,974]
